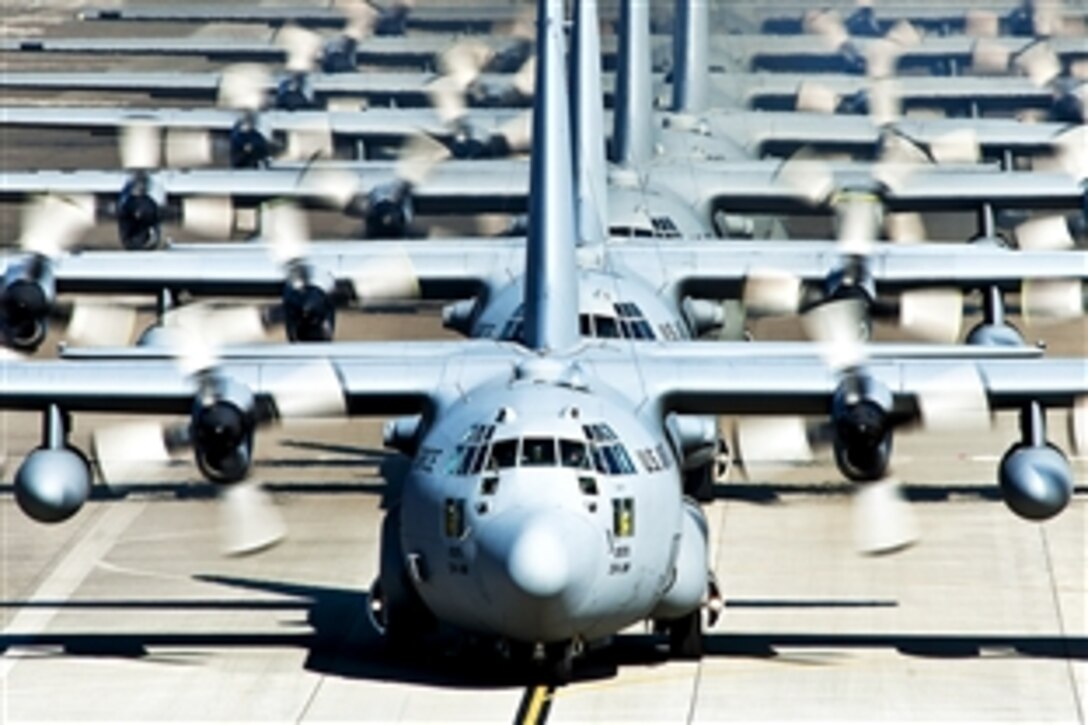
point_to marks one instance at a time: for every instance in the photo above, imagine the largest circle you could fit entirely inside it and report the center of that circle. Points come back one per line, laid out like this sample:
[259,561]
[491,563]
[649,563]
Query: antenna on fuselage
[691,38]
[632,134]
[587,122]
[551,285]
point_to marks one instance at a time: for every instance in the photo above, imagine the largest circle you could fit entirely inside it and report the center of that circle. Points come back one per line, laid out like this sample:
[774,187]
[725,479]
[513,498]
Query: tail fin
[587,120]
[689,52]
[551,285]
[632,137]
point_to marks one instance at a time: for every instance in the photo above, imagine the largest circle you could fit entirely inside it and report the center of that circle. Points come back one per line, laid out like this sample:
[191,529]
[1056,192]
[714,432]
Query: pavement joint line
[67,576]
[1069,660]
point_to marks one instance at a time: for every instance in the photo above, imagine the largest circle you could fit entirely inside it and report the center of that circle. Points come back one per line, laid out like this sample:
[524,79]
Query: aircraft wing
[691,378]
[809,53]
[380,379]
[393,123]
[778,132]
[415,52]
[460,18]
[461,187]
[404,89]
[778,91]
[711,185]
[444,269]
[715,270]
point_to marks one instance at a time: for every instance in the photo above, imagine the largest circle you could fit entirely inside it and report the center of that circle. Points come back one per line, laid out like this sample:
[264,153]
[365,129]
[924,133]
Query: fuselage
[542,511]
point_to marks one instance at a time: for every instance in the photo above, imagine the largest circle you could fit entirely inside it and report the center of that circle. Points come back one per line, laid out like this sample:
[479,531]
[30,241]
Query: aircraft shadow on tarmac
[343,643]
[773,493]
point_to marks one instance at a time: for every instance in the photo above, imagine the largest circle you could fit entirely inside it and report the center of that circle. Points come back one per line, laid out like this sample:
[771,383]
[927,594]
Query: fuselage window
[606,326]
[538,452]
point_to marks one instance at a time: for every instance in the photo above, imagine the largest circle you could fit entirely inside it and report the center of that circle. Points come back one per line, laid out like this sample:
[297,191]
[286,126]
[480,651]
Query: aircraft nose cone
[538,562]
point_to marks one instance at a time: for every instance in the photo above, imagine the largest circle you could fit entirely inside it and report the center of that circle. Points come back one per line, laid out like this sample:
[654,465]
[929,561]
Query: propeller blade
[883,520]
[904,34]
[285,231]
[1044,233]
[765,444]
[884,101]
[52,224]
[839,327]
[956,147]
[858,221]
[882,58]
[311,390]
[463,62]
[808,176]
[336,187]
[828,25]
[932,314]
[420,155]
[313,141]
[140,146]
[1044,300]
[96,323]
[905,227]
[815,97]
[1040,64]
[1078,426]
[249,519]
[954,400]
[772,292]
[186,148]
[196,332]
[208,216]
[518,133]
[361,18]
[302,47]
[990,58]
[981,23]
[524,81]
[243,87]
[387,278]
[130,452]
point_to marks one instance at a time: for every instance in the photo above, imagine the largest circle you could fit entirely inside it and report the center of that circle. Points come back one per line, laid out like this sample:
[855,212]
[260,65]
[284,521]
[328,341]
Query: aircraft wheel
[406,617]
[686,636]
[558,663]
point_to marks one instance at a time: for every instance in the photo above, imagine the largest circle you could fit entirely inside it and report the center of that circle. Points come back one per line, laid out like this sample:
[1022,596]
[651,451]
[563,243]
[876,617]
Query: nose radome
[538,562]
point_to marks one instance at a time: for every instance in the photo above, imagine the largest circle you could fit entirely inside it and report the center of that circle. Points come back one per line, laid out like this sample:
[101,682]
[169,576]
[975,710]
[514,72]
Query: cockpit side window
[573,454]
[609,454]
[538,452]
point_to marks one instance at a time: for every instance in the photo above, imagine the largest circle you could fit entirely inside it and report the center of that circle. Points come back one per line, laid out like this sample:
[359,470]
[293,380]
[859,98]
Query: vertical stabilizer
[691,38]
[587,120]
[632,137]
[551,285]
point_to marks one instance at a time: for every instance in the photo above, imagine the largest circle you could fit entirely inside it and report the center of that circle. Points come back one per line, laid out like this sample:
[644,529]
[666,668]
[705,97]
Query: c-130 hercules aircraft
[543,505]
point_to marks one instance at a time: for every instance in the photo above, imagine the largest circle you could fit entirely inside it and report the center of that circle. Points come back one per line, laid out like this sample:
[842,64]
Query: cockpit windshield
[603,452]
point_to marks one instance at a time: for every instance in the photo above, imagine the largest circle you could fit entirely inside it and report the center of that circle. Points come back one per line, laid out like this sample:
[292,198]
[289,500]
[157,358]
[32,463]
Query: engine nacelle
[1001,335]
[1068,104]
[139,213]
[1036,481]
[309,311]
[295,93]
[861,427]
[459,316]
[52,484]
[403,433]
[221,428]
[250,147]
[26,299]
[389,211]
[339,55]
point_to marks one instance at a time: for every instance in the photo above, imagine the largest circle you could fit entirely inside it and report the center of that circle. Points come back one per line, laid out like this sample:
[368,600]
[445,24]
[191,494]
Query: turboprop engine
[27,296]
[861,428]
[55,480]
[222,424]
[139,212]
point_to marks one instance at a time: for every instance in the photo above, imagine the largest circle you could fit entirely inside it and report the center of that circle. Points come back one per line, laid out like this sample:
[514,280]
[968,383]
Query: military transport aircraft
[543,505]
[255,134]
